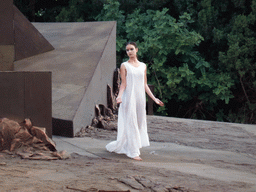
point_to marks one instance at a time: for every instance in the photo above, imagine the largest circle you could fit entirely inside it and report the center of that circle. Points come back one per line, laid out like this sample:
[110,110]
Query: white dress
[132,125]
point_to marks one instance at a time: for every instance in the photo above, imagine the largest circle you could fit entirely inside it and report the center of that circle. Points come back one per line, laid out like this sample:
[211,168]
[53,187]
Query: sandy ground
[185,155]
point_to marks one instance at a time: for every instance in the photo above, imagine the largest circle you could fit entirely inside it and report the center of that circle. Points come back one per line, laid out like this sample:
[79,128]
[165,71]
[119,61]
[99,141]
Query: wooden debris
[105,117]
[116,82]
[111,99]
[27,141]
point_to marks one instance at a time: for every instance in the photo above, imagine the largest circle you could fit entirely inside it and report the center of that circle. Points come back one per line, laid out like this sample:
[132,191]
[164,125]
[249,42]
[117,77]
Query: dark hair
[132,43]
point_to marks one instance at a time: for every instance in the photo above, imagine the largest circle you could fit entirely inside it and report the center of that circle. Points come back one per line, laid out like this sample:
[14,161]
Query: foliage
[71,13]
[228,28]
[111,12]
[41,11]
[239,61]
[80,10]
[175,67]
[23,6]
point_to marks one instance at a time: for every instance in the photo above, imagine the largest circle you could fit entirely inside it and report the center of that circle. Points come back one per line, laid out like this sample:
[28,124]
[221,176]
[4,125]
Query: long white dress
[132,125]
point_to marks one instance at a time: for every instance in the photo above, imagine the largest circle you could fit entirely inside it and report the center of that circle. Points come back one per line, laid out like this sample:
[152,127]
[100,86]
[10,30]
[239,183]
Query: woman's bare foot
[137,158]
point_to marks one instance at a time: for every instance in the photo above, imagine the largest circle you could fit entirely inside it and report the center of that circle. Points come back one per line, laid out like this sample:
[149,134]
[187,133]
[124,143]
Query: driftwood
[27,141]
[105,116]
[116,82]
[111,99]
[113,93]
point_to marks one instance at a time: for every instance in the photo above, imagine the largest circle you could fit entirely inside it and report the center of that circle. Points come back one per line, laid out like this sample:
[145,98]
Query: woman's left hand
[159,102]
[118,100]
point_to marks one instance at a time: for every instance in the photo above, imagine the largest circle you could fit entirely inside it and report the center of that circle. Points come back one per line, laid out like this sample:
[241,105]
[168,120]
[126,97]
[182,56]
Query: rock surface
[185,156]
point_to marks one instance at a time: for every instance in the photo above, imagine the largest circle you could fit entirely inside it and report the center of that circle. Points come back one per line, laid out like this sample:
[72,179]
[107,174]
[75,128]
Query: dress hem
[126,153]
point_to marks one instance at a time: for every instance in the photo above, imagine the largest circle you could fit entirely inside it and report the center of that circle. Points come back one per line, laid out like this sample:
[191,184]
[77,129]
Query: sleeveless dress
[132,125]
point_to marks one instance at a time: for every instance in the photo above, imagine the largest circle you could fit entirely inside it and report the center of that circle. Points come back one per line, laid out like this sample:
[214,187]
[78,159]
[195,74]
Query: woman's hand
[118,100]
[159,102]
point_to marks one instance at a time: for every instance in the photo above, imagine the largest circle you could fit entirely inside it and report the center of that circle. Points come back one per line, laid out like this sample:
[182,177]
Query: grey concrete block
[82,65]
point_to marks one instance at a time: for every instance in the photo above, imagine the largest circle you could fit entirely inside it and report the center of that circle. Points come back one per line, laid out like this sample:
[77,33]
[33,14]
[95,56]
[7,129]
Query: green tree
[78,11]
[175,66]
[239,61]
[228,28]
[41,11]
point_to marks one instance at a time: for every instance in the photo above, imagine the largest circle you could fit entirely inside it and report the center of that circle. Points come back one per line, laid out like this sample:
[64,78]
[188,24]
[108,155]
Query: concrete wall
[6,57]
[96,92]
[28,40]
[82,64]
[27,95]
[6,35]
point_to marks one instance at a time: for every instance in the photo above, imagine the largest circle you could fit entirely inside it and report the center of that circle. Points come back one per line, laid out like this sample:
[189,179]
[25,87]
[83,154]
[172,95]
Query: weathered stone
[144,181]
[130,181]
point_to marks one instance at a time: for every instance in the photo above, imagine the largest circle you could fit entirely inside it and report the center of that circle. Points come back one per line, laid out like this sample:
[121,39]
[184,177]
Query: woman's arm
[123,84]
[148,91]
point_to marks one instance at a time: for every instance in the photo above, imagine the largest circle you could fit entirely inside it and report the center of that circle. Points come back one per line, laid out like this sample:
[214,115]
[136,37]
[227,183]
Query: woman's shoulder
[143,64]
[126,64]
[123,64]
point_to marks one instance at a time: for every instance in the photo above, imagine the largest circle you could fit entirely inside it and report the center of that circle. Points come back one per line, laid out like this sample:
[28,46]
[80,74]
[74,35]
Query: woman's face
[131,50]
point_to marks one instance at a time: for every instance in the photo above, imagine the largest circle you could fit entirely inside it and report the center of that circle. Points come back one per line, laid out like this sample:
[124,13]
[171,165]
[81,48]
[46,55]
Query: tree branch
[244,89]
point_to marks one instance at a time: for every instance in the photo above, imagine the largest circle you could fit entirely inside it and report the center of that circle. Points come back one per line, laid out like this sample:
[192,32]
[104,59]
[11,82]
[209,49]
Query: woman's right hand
[118,100]
[159,102]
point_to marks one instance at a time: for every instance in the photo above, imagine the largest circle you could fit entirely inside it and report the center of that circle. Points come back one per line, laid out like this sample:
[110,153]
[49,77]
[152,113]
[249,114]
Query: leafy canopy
[168,47]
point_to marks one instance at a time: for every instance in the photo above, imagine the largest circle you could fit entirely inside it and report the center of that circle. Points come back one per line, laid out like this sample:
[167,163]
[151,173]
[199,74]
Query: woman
[132,126]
